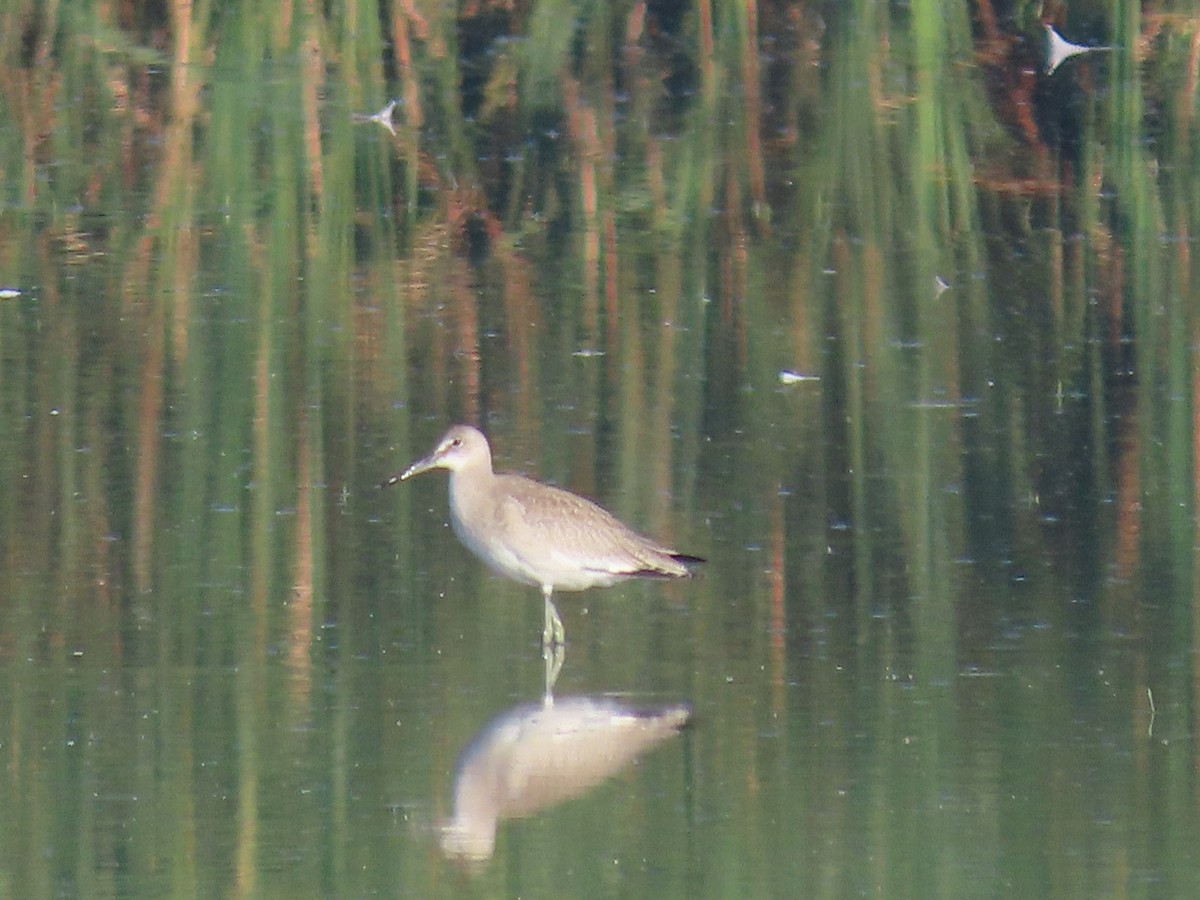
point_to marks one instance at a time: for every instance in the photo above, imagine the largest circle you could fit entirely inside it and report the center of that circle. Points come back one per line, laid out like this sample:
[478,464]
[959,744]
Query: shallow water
[923,396]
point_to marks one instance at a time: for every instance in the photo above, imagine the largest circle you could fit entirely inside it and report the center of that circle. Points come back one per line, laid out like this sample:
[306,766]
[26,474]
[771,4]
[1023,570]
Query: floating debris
[1059,49]
[940,285]
[586,353]
[935,404]
[787,376]
[383,117]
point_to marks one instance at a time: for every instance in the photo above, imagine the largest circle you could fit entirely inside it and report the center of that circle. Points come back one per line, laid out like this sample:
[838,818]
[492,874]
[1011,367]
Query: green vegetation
[604,231]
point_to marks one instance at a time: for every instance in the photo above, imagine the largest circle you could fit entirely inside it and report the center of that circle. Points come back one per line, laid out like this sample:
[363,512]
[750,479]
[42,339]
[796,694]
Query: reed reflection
[537,755]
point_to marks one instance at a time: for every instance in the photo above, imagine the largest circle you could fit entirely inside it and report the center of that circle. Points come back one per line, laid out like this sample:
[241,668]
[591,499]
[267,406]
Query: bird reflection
[553,657]
[539,754]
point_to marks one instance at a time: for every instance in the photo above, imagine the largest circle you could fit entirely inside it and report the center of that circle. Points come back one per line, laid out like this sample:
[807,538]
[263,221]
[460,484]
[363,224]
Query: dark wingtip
[679,716]
[686,560]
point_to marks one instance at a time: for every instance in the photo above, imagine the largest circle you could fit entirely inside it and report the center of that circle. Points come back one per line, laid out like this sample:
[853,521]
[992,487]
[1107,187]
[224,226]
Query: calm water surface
[912,365]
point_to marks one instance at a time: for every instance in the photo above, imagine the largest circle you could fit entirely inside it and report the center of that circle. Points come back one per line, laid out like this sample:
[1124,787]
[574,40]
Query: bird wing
[550,521]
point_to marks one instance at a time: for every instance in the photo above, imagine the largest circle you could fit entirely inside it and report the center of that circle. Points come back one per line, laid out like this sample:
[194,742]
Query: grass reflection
[602,230]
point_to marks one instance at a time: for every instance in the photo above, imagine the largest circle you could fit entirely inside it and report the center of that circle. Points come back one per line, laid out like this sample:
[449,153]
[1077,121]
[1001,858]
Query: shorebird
[538,534]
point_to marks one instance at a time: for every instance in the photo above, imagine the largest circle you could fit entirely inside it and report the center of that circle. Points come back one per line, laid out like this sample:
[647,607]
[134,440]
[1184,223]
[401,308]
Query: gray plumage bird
[537,534]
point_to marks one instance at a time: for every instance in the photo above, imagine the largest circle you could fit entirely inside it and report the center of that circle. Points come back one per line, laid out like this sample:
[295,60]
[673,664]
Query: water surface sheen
[896,333]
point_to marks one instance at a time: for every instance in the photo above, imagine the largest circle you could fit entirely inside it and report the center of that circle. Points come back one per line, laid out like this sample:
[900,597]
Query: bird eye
[457,442]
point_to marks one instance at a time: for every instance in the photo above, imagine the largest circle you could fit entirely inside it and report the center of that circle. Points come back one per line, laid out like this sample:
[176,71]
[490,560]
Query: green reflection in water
[771,283]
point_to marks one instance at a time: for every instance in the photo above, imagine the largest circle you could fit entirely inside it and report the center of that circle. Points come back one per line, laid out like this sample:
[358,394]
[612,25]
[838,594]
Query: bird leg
[553,632]
[553,658]
[554,645]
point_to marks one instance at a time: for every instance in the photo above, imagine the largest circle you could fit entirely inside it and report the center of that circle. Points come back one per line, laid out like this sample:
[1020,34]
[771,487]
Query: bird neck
[470,482]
